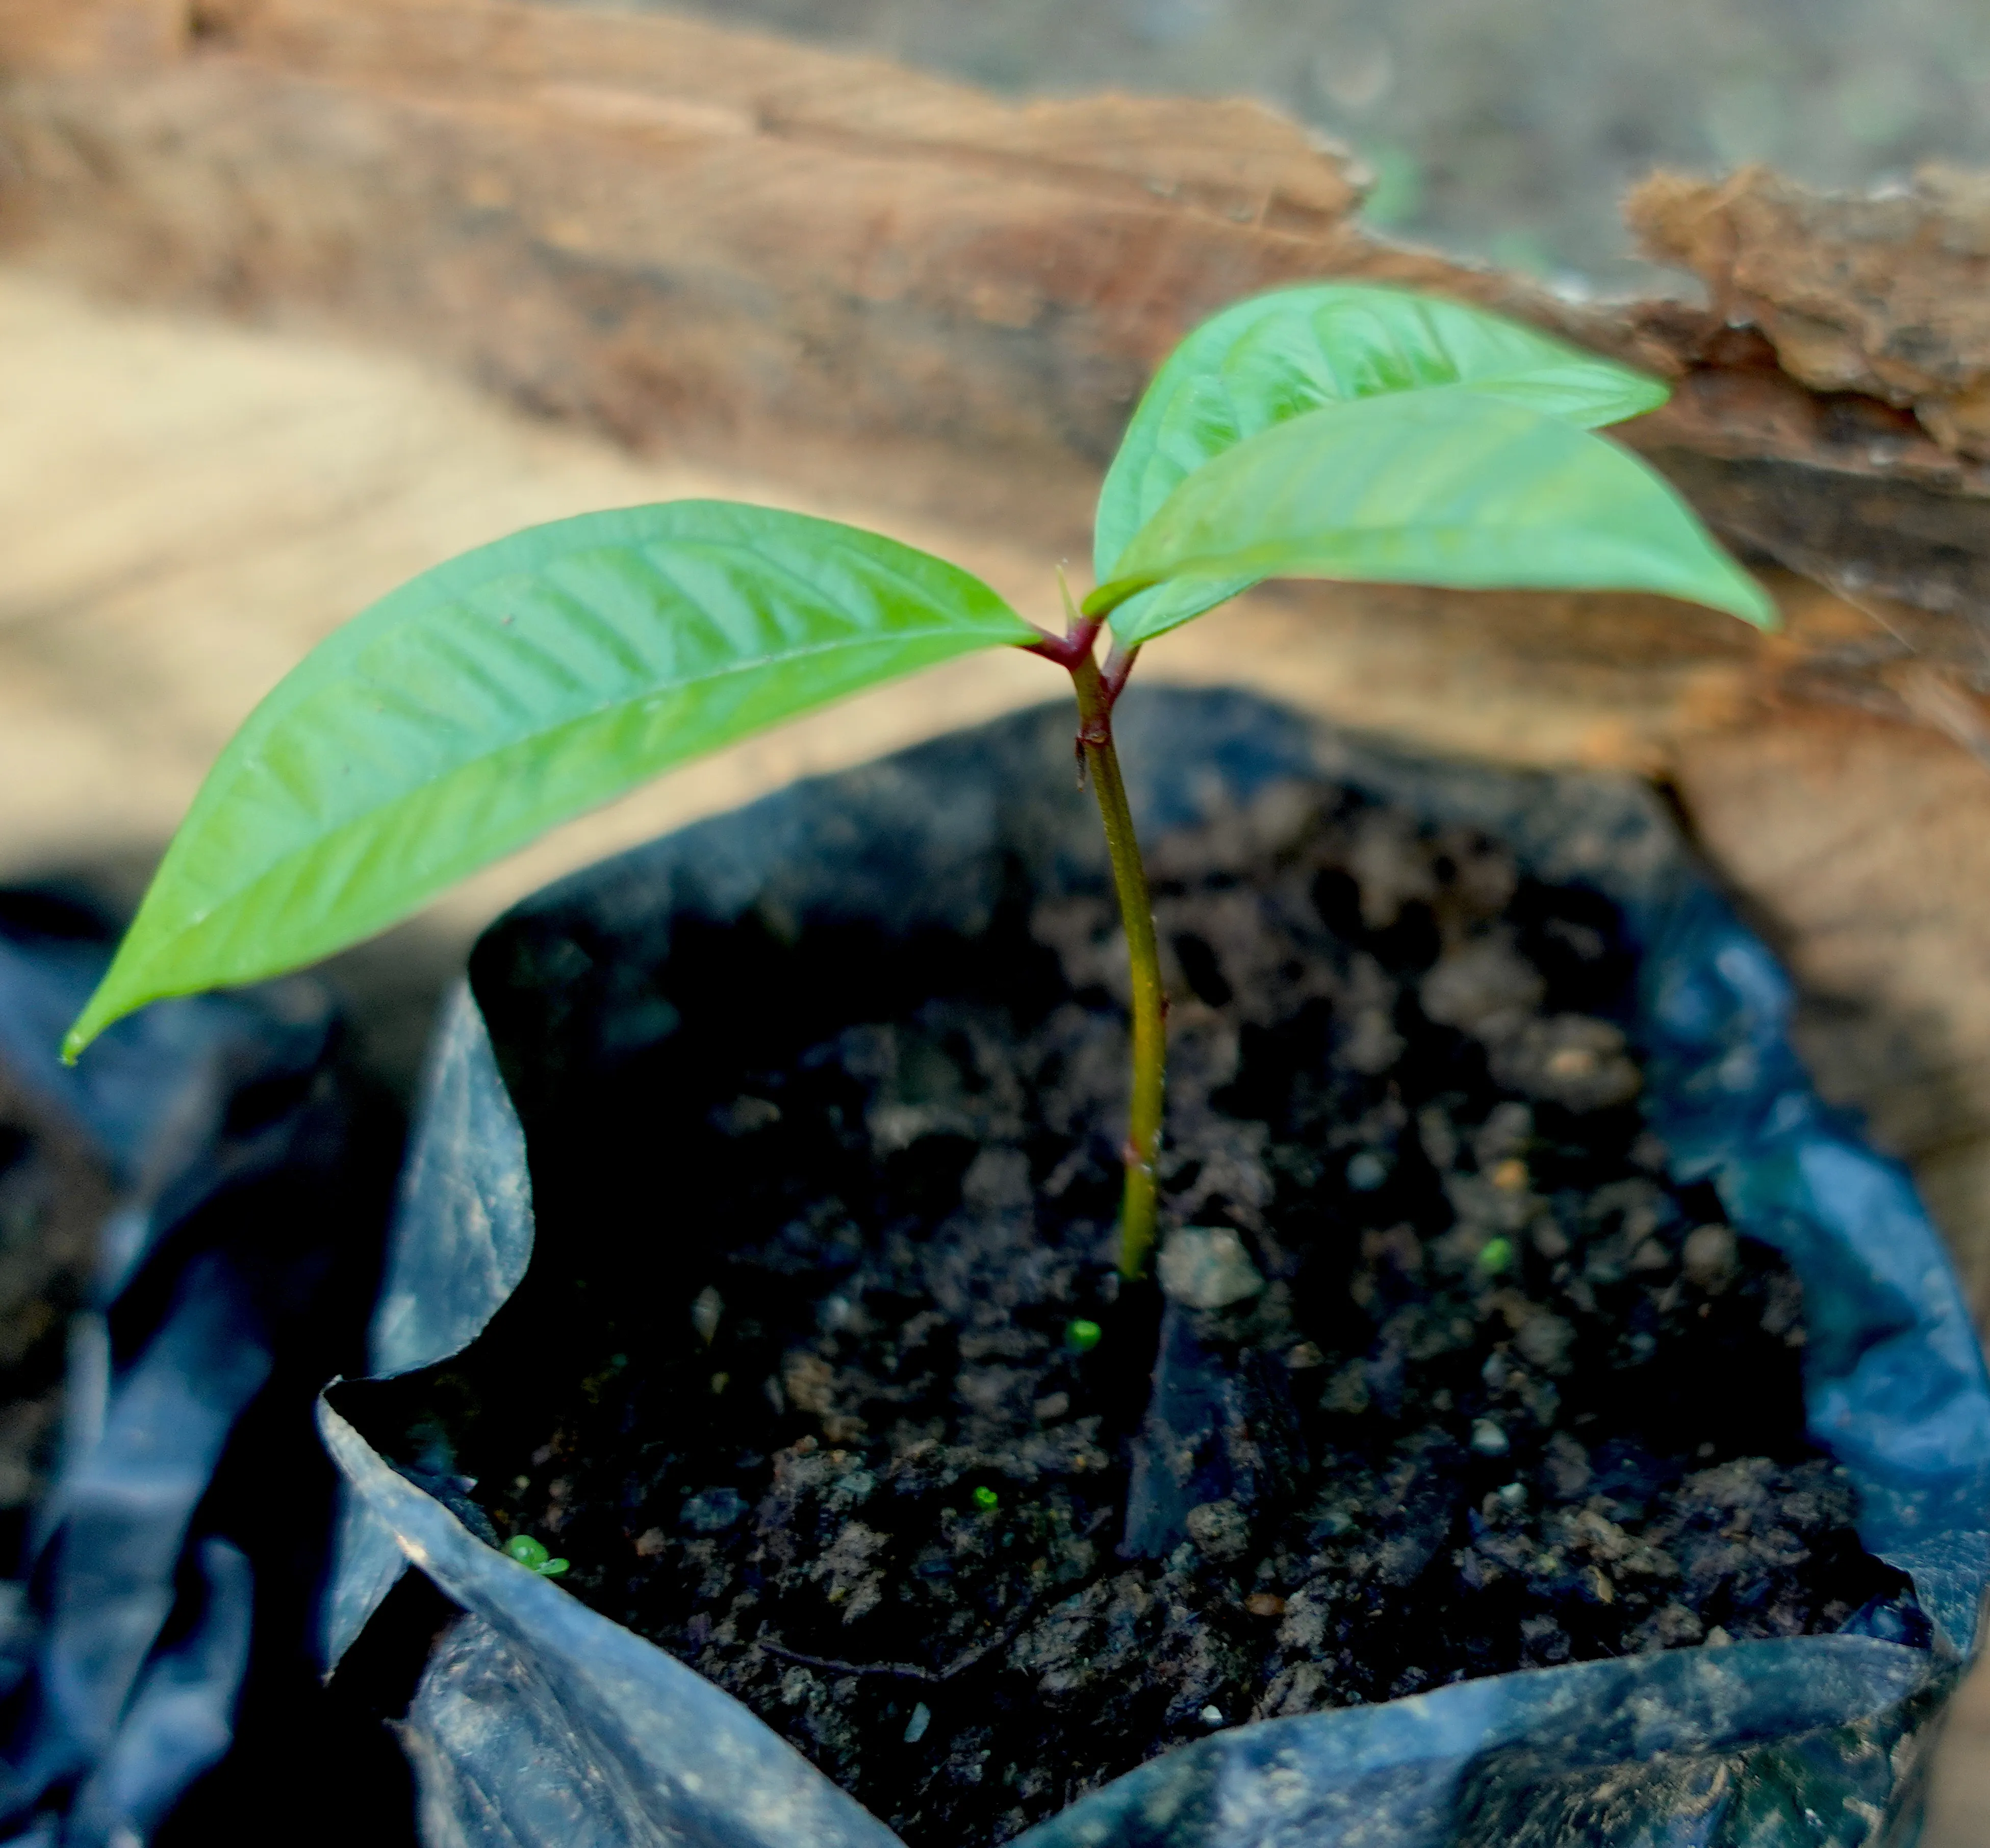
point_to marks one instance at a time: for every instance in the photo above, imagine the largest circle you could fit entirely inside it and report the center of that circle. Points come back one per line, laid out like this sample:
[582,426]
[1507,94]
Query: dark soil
[1514,1398]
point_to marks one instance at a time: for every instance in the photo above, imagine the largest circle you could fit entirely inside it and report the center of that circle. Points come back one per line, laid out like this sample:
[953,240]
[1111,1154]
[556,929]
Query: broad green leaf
[507,690]
[1279,356]
[1448,488]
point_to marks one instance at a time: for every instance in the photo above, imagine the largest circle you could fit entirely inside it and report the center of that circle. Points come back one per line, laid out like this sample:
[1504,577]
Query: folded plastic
[126,1644]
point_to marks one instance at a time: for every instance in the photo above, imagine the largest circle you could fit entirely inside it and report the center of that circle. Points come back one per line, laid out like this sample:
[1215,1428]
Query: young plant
[1333,431]
[535,1556]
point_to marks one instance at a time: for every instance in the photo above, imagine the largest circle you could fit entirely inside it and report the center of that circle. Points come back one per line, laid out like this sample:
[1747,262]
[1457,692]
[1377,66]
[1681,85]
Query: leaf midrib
[592,714]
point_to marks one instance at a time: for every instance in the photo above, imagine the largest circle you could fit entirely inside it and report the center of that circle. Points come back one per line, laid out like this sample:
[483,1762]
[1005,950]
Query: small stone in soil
[713,1511]
[1366,1172]
[705,1313]
[1206,1267]
[1220,1529]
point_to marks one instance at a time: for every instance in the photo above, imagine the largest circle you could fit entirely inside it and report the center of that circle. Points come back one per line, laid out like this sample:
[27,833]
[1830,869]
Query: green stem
[1136,911]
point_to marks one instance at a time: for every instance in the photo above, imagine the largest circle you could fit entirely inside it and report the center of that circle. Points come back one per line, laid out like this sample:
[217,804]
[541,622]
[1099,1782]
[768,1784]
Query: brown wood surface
[637,218]
[1888,297]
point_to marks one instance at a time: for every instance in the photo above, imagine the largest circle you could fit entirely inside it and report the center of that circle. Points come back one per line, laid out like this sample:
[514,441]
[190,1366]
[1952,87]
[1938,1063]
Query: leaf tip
[1650,394]
[104,1008]
[1753,605]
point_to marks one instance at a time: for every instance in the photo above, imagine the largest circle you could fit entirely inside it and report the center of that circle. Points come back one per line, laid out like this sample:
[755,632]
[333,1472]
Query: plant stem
[1129,879]
[1098,693]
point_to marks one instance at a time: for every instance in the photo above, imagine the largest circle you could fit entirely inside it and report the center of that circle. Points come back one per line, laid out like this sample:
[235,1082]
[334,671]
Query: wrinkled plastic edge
[466,1185]
[681,1757]
[1896,1388]
[1394,1771]
[366,1563]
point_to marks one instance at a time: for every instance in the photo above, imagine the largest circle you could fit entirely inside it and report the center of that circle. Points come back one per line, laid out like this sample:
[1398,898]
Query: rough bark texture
[635,220]
[1887,296]
[646,223]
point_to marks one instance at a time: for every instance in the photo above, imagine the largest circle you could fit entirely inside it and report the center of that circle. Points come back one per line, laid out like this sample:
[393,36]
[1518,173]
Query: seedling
[1333,431]
[1082,1335]
[533,1556]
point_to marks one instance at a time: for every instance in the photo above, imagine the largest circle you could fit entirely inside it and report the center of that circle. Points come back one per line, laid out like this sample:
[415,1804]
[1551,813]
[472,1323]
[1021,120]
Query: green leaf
[1444,487]
[507,690]
[1280,356]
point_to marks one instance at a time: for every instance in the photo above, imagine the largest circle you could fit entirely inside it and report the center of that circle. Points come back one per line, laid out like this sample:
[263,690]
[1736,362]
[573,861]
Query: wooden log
[651,223]
[639,220]
[657,225]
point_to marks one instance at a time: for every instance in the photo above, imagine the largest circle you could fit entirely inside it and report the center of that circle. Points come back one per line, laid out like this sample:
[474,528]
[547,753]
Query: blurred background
[1505,129]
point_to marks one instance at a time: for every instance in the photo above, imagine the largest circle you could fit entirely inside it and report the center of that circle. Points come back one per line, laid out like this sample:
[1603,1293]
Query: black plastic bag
[236,1243]
[539,1722]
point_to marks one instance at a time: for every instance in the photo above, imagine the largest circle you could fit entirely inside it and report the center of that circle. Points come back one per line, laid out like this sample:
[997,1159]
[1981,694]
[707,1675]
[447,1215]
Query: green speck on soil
[532,1555]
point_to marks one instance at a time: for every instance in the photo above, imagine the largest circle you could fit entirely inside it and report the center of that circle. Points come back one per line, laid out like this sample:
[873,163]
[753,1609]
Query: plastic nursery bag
[128,1635]
[539,1722]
